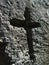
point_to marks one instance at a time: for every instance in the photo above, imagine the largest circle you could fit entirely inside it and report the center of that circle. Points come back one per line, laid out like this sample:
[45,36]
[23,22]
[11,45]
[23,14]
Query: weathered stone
[39,13]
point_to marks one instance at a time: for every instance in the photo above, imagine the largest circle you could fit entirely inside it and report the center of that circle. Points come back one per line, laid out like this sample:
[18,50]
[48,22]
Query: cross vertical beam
[28,28]
[30,43]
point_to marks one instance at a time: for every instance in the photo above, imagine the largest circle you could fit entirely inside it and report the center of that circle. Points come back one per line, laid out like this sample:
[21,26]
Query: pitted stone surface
[17,47]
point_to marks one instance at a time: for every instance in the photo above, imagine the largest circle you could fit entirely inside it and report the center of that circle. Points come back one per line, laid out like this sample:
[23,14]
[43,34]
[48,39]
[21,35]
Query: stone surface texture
[16,38]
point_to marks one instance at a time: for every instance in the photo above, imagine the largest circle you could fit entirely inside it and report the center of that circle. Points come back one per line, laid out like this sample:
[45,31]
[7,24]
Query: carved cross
[27,25]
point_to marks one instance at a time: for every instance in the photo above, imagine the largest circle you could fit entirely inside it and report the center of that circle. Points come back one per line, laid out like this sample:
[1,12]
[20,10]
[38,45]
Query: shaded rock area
[16,47]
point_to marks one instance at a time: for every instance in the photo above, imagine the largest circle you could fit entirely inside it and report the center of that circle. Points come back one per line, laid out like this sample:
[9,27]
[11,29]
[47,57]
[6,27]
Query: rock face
[17,48]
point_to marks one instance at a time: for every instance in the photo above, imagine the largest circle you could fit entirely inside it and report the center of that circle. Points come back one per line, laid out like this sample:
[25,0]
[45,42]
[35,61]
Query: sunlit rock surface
[16,38]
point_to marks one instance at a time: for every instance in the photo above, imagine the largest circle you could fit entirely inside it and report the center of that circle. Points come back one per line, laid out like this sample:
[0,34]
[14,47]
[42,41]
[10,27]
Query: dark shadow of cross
[27,25]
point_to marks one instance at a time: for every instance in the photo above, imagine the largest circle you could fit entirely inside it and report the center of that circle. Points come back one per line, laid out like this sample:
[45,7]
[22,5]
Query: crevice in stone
[4,58]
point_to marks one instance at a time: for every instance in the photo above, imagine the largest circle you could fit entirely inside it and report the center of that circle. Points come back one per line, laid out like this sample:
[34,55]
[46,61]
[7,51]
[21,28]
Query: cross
[27,25]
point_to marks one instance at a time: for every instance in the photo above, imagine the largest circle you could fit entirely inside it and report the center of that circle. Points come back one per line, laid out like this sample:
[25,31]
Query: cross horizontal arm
[24,23]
